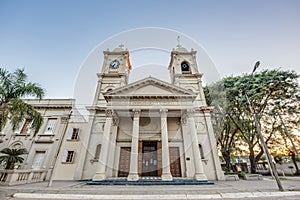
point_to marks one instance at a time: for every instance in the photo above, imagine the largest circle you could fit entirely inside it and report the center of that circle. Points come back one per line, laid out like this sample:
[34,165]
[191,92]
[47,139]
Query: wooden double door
[149,160]
[150,163]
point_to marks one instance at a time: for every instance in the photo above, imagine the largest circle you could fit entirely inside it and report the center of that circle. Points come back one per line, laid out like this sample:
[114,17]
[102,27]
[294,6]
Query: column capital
[190,112]
[115,121]
[186,115]
[109,113]
[136,112]
[163,112]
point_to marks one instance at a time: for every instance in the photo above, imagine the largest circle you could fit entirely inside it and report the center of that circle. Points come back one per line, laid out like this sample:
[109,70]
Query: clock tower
[184,72]
[115,73]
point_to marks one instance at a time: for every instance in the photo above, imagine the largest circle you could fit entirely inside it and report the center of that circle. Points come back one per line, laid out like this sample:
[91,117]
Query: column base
[200,177]
[133,177]
[99,177]
[166,177]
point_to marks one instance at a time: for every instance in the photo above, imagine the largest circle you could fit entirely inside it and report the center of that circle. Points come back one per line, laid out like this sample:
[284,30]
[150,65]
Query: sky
[52,39]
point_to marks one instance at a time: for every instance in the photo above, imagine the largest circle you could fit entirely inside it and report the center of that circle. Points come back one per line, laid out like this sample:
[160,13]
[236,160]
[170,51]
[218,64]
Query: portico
[145,133]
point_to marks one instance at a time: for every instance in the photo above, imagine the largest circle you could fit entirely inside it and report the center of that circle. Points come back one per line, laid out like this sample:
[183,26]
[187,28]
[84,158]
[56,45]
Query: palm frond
[14,86]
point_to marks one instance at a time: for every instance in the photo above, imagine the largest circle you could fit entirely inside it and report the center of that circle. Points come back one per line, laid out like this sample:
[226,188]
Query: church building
[148,128]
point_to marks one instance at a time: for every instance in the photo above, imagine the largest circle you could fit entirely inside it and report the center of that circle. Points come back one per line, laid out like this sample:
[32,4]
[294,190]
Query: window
[26,127]
[68,156]
[73,134]
[50,126]
[185,68]
[98,150]
[201,151]
[38,160]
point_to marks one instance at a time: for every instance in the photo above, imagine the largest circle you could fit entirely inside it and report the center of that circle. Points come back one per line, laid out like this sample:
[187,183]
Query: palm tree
[12,157]
[13,87]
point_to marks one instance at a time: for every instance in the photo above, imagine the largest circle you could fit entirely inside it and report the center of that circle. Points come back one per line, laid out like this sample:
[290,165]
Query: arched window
[98,150]
[185,67]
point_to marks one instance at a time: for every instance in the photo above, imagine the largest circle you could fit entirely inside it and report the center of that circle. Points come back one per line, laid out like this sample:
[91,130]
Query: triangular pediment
[150,87]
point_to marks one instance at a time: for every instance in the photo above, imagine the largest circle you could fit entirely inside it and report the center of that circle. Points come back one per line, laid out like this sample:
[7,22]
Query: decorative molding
[109,113]
[190,112]
[163,112]
[184,118]
[152,81]
[64,119]
[115,121]
[150,102]
[136,113]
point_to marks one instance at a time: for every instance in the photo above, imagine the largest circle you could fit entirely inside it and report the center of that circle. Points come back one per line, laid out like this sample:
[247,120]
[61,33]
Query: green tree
[225,131]
[13,87]
[12,157]
[270,92]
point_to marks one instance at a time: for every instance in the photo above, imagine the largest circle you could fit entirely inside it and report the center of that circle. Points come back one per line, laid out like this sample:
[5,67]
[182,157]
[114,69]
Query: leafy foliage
[270,92]
[13,87]
[12,157]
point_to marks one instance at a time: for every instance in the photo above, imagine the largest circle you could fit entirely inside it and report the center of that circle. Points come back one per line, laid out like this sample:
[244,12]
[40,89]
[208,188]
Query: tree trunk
[226,156]
[9,165]
[252,161]
[259,155]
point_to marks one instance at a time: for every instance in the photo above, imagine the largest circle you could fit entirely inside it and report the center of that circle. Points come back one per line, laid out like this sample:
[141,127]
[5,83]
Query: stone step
[149,181]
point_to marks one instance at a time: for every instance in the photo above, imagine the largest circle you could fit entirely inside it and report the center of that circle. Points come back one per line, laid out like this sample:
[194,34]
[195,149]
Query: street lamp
[262,140]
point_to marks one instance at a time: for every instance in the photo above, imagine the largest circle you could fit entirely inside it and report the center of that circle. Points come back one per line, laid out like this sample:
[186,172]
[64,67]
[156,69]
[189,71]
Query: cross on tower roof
[178,41]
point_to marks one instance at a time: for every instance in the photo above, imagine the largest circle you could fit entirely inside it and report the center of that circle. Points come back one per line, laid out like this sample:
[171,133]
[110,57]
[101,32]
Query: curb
[166,197]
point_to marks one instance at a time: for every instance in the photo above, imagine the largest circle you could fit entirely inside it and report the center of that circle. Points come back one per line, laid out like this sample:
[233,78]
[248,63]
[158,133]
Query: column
[133,170]
[166,173]
[199,172]
[101,168]
[111,168]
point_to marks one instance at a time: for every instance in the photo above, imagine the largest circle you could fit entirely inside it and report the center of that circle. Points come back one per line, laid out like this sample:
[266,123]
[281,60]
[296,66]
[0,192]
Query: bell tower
[184,72]
[115,73]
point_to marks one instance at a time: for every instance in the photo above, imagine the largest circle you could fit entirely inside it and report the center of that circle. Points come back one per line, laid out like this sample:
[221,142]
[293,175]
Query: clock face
[114,64]
[185,66]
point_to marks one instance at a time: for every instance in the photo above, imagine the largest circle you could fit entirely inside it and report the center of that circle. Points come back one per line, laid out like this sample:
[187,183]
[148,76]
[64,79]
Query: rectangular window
[51,124]
[201,151]
[73,134]
[38,160]
[68,156]
[26,127]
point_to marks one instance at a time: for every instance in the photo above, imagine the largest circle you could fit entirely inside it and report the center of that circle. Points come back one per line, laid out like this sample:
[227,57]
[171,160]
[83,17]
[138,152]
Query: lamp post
[261,138]
[58,149]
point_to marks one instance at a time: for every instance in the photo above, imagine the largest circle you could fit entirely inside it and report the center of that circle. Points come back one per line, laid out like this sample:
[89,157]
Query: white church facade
[148,128]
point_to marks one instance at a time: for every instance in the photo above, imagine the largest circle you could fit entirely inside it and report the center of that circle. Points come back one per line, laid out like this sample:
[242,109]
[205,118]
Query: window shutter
[64,158]
[29,127]
[70,134]
[21,124]
[51,124]
[73,157]
[78,134]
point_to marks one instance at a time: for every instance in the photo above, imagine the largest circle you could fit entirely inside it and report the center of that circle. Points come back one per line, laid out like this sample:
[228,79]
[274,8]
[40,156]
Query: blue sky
[51,39]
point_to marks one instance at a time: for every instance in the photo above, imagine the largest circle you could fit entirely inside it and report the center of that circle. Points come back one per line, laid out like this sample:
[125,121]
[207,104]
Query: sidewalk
[220,190]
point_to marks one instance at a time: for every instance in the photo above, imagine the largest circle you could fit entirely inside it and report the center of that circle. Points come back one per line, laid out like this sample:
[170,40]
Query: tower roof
[180,48]
[120,48]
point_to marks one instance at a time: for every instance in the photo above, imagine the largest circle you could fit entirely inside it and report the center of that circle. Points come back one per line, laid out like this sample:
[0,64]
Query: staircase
[149,181]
